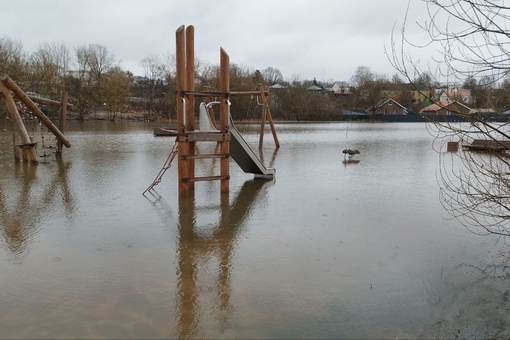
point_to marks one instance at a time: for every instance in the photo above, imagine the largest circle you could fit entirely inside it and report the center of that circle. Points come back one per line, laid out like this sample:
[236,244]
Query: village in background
[100,89]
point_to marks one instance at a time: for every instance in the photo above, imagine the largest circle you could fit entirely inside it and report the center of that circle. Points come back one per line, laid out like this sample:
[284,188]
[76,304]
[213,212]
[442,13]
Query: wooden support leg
[28,148]
[62,120]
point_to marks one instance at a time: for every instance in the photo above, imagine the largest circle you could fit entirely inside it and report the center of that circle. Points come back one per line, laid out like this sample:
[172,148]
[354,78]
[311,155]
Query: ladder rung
[206,155]
[204,137]
[205,178]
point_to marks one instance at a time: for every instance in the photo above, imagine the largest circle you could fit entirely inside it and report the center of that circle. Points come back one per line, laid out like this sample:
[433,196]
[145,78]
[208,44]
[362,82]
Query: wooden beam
[203,137]
[225,146]
[266,113]
[62,118]
[180,80]
[206,178]
[208,93]
[206,156]
[18,92]
[190,98]
[49,102]
[27,147]
[190,78]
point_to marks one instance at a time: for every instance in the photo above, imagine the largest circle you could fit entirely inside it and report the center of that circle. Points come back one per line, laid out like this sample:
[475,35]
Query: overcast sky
[323,39]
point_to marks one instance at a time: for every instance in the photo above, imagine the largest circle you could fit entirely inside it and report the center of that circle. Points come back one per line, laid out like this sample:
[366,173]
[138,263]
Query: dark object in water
[159,131]
[487,145]
[351,151]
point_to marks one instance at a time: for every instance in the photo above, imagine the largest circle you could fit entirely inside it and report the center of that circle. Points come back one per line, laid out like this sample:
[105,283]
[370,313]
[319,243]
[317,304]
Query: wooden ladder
[218,137]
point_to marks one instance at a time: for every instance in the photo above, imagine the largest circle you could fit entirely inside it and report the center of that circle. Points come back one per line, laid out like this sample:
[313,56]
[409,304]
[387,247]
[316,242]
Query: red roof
[435,107]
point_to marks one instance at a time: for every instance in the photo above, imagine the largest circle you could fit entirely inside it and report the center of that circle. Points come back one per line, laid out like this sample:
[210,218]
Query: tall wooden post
[264,114]
[27,146]
[62,119]
[190,100]
[180,79]
[224,109]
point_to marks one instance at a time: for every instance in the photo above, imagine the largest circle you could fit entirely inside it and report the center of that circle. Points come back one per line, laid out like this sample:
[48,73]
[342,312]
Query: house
[455,94]
[445,108]
[342,92]
[388,107]
[315,87]
[340,88]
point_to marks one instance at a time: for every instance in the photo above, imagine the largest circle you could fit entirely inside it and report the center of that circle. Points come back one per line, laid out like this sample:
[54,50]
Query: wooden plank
[220,93]
[206,156]
[205,178]
[204,137]
[49,102]
[488,145]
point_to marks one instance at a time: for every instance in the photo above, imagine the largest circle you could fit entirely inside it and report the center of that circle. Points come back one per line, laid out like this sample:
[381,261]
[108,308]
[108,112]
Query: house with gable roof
[455,94]
[445,108]
[340,88]
[388,107]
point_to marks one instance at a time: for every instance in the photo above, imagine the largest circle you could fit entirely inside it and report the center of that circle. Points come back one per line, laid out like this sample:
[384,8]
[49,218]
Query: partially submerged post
[62,120]
[224,109]
[26,145]
[266,113]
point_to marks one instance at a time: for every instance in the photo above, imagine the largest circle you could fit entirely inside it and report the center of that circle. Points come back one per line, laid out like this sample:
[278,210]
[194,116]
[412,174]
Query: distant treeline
[96,82]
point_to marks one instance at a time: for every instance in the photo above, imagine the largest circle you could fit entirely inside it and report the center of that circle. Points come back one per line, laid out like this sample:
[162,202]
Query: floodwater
[326,250]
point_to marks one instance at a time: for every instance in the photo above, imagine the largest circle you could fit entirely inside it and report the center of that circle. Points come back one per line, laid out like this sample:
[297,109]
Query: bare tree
[94,61]
[155,71]
[472,38]
[272,75]
[369,88]
[49,65]
[12,58]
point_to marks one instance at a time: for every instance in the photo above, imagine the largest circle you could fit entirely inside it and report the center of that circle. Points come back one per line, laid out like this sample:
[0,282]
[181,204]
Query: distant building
[388,107]
[315,87]
[446,108]
[341,87]
[455,94]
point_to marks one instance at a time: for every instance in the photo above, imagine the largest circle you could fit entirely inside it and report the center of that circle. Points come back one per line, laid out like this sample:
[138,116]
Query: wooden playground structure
[187,135]
[24,146]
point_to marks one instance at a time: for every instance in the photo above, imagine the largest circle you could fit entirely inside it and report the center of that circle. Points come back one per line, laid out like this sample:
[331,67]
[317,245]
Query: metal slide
[240,151]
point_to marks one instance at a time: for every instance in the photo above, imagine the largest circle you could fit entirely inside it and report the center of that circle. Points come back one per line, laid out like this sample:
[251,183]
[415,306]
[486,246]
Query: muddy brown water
[326,250]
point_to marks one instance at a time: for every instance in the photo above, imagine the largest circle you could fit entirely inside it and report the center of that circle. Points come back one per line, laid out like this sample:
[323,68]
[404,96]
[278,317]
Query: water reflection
[24,202]
[198,245]
[273,157]
[350,161]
